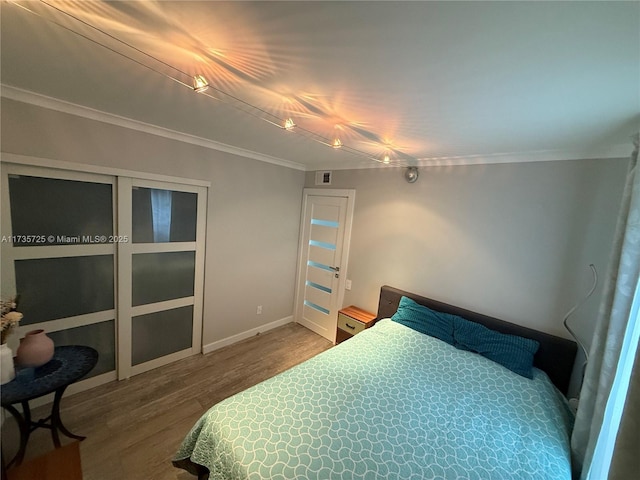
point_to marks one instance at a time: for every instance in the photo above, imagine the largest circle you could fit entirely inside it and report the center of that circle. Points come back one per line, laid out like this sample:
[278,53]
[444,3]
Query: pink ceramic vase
[35,349]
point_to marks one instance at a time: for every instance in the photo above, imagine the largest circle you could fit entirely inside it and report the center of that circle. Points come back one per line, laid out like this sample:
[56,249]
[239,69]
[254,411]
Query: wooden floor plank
[134,427]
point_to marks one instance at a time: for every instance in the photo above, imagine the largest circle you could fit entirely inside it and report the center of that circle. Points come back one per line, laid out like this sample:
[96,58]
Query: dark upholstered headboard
[555,356]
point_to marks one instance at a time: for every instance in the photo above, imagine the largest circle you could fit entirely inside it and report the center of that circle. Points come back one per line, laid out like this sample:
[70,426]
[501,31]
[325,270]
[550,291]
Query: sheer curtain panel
[610,395]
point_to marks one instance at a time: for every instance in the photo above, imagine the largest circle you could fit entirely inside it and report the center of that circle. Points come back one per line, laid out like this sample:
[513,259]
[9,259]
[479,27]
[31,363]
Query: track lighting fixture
[411,174]
[200,83]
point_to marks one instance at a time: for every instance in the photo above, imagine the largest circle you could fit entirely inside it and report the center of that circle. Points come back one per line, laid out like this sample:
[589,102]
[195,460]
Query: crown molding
[620,151]
[39,100]
[600,153]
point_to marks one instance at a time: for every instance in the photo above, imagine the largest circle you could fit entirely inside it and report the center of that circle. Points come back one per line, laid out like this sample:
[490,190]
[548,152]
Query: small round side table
[68,365]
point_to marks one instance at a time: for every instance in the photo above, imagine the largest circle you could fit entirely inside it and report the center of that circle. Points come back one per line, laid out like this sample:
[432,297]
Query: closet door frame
[126,250]
[14,163]
[11,253]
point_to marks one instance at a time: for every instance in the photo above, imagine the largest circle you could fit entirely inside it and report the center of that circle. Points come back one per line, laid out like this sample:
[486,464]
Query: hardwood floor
[134,427]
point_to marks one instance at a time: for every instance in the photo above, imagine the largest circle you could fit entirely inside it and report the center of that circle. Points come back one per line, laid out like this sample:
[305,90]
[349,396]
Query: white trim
[617,151]
[165,247]
[142,182]
[14,158]
[69,322]
[123,277]
[39,100]
[63,251]
[621,150]
[149,308]
[198,287]
[162,361]
[33,169]
[244,335]
[8,283]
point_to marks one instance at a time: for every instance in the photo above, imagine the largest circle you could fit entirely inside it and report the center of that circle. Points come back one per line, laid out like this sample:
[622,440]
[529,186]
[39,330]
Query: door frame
[11,253]
[350,195]
[14,163]
[126,250]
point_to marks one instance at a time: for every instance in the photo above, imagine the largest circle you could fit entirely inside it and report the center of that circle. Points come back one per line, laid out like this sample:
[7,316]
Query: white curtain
[608,397]
[161,215]
[626,459]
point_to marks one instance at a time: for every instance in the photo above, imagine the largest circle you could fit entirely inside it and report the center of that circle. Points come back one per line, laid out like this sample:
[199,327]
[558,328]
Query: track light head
[411,174]
[200,83]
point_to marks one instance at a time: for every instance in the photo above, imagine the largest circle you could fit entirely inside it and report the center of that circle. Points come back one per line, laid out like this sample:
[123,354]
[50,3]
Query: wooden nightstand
[352,320]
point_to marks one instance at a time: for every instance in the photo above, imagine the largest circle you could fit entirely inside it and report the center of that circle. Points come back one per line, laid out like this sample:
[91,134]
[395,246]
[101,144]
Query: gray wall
[253,207]
[511,240]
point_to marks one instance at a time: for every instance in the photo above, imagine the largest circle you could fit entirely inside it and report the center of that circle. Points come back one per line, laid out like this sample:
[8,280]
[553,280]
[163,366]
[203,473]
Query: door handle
[335,269]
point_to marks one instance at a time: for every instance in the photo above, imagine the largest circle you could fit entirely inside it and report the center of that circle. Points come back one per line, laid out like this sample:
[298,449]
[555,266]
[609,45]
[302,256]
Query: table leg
[55,419]
[56,422]
[25,431]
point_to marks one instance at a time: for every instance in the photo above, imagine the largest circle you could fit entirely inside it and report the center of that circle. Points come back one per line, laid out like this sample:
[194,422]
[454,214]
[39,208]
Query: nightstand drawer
[349,324]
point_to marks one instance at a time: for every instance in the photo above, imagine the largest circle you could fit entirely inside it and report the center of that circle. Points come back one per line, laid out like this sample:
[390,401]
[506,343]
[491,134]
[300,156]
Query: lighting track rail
[199,84]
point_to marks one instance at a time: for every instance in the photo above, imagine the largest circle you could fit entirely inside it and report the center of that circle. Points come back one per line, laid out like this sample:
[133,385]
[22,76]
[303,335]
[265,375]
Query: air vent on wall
[323,177]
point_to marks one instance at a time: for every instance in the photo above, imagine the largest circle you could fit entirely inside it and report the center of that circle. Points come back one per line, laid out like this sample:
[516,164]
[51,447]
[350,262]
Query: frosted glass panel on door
[101,336]
[52,288]
[59,212]
[157,277]
[163,216]
[158,334]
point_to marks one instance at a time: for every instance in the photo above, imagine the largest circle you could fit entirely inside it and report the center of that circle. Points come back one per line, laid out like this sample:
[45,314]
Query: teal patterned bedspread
[388,403]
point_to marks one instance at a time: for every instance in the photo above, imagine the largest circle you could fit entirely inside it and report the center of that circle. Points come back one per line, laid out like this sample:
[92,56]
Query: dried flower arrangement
[10,317]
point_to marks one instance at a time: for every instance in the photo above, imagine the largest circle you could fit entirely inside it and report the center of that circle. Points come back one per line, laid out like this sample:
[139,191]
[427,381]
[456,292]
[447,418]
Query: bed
[394,402]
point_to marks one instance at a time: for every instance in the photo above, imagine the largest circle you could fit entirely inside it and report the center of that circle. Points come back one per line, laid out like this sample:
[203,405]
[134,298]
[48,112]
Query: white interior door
[161,273]
[58,255]
[104,260]
[324,246]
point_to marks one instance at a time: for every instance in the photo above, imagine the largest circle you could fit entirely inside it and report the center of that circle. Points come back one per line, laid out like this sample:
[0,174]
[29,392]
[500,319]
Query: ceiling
[427,83]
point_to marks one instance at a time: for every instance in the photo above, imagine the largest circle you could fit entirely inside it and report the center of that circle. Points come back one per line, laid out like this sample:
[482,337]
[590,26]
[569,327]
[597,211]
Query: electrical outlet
[259,310]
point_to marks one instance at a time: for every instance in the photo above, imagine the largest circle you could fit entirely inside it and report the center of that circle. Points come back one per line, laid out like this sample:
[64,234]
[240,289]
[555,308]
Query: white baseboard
[249,333]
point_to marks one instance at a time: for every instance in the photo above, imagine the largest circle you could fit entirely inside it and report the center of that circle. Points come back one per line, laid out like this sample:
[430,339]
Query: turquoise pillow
[424,320]
[513,352]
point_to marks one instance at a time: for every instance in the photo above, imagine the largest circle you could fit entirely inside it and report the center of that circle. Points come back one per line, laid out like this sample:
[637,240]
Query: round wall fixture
[411,174]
